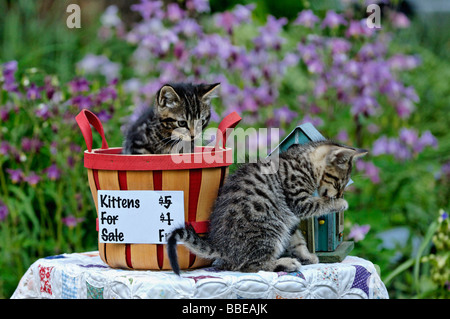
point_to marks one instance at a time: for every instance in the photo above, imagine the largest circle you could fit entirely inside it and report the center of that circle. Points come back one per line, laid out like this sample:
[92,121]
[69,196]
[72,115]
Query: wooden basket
[197,176]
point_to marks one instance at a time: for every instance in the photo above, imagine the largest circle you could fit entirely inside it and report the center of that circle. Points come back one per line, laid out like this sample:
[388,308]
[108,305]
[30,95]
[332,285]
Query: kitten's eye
[182,123]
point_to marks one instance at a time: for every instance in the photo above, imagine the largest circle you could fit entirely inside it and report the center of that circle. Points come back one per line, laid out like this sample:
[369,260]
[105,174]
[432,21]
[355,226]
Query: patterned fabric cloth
[85,276]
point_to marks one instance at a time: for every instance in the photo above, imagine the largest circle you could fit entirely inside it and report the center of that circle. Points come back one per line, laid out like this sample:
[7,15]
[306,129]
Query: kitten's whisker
[168,141]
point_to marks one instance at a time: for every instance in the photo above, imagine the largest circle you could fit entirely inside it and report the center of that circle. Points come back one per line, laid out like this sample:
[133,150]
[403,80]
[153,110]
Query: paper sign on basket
[139,217]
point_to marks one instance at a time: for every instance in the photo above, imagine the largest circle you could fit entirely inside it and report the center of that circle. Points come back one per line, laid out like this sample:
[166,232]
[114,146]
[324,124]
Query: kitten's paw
[287,264]
[340,204]
[309,259]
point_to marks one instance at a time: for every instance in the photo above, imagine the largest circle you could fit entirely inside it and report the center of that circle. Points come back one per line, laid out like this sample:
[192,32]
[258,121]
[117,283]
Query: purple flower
[403,62]
[408,136]
[106,94]
[444,215]
[53,147]
[174,12]
[9,69]
[149,8]
[427,139]
[369,169]
[399,19]
[290,59]
[31,144]
[32,179]
[4,114]
[380,146]
[79,85]
[4,211]
[71,221]
[243,13]
[10,86]
[372,50]
[226,20]
[393,89]
[43,111]
[53,172]
[358,232]
[316,121]
[306,18]
[358,28]
[48,87]
[404,108]
[198,5]
[109,18]
[372,172]
[365,105]
[4,148]
[315,66]
[342,136]
[333,20]
[284,114]
[410,93]
[93,64]
[33,92]
[104,116]
[269,34]
[214,46]
[188,27]
[16,175]
[339,45]
[307,52]
[82,102]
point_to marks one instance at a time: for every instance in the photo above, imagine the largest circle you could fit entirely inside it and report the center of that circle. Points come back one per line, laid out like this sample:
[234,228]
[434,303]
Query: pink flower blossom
[71,221]
[198,5]
[33,92]
[32,179]
[53,172]
[358,28]
[16,175]
[149,8]
[358,233]
[174,12]
[4,211]
[306,18]
[333,20]
[369,169]
[399,20]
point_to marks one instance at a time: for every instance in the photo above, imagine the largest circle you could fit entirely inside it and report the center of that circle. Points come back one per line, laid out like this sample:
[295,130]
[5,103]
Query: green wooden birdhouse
[324,234]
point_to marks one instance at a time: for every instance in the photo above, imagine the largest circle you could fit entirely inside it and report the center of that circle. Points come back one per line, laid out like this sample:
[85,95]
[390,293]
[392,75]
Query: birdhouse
[324,234]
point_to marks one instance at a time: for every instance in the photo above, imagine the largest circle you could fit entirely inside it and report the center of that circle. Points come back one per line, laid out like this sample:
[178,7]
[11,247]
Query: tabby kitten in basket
[180,112]
[254,222]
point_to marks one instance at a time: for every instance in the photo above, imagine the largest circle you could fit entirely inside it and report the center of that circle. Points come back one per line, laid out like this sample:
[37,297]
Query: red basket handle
[230,121]
[84,119]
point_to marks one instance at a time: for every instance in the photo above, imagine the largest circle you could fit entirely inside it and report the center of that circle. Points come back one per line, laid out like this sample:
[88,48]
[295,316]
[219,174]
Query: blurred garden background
[280,63]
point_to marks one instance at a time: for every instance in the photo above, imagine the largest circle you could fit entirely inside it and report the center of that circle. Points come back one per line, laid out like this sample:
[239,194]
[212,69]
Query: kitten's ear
[208,91]
[167,96]
[360,153]
[342,155]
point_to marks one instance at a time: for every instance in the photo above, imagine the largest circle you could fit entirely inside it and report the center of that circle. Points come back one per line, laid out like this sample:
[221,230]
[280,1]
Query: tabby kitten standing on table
[255,217]
[170,126]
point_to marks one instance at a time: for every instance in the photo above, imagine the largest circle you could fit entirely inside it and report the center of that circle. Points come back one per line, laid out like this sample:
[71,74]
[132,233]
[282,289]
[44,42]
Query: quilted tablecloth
[84,275]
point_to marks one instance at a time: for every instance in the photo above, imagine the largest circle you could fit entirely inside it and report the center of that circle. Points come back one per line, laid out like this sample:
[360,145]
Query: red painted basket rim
[111,159]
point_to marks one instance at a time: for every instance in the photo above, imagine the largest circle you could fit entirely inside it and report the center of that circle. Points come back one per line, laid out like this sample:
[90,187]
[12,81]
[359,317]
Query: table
[86,276]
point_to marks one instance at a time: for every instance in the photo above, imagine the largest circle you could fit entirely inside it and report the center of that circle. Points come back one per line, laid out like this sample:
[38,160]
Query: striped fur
[255,217]
[180,114]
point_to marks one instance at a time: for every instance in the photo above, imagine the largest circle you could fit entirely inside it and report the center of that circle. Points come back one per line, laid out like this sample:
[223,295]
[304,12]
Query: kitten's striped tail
[196,244]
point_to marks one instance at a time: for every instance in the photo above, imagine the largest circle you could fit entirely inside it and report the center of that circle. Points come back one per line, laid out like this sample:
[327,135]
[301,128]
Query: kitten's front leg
[298,249]
[317,206]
